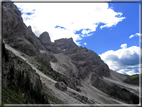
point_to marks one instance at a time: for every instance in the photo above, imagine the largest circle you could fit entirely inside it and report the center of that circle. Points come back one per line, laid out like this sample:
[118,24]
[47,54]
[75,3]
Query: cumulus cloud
[136,34]
[71,16]
[124,60]
[124,46]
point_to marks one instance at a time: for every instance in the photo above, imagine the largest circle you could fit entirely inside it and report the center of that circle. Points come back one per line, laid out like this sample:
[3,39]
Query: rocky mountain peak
[65,43]
[30,28]
[45,38]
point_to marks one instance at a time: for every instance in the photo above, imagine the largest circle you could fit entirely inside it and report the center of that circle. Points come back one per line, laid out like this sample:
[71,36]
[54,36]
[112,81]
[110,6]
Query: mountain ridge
[83,72]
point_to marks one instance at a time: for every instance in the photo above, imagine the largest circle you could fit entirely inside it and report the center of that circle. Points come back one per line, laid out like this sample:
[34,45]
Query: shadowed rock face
[16,33]
[30,28]
[61,86]
[44,38]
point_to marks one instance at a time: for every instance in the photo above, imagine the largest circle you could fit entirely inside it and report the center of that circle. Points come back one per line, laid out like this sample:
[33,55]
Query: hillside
[38,71]
[134,79]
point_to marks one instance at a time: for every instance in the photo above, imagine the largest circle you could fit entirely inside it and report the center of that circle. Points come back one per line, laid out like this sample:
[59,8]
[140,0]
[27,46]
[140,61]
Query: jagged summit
[45,38]
[65,43]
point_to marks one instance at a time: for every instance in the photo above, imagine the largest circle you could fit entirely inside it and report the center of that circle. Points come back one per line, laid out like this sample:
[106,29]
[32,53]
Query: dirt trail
[121,83]
[94,93]
[132,88]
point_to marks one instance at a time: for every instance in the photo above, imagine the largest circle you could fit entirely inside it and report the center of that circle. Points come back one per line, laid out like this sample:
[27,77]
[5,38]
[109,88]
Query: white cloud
[128,71]
[136,34]
[125,60]
[85,43]
[124,46]
[72,16]
[131,36]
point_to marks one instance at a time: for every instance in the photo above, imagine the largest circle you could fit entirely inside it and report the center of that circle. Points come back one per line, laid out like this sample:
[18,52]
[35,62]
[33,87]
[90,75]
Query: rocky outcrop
[61,86]
[63,44]
[30,28]
[47,57]
[46,42]
[82,98]
[98,65]
[87,61]
[44,38]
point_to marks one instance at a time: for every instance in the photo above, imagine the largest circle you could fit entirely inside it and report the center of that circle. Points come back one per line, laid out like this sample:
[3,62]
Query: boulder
[61,86]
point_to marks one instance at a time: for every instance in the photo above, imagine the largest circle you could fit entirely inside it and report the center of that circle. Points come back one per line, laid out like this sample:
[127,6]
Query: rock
[44,38]
[91,101]
[30,28]
[63,44]
[78,89]
[51,47]
[48,56]
[98,65]
[16,33]
[46,42]
[61,86]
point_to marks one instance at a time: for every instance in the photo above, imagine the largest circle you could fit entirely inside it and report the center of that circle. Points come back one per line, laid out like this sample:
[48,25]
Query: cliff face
[62,60]
[16,33]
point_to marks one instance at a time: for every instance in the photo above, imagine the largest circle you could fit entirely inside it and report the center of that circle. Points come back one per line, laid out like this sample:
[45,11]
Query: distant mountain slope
[134,79]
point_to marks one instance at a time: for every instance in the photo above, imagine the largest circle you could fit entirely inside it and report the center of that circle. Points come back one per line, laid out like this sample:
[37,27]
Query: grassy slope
[12,97]
[134,79]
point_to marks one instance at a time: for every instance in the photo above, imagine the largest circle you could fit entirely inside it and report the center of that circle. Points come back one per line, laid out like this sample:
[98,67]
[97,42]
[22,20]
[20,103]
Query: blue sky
[111,38]
[109,29]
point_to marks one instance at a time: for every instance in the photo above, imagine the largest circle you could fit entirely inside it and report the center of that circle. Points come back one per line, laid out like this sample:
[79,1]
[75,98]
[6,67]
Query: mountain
[38,71]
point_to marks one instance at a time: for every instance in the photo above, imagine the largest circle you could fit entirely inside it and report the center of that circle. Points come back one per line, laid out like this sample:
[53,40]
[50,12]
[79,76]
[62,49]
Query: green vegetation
[134,79]
[12,97]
